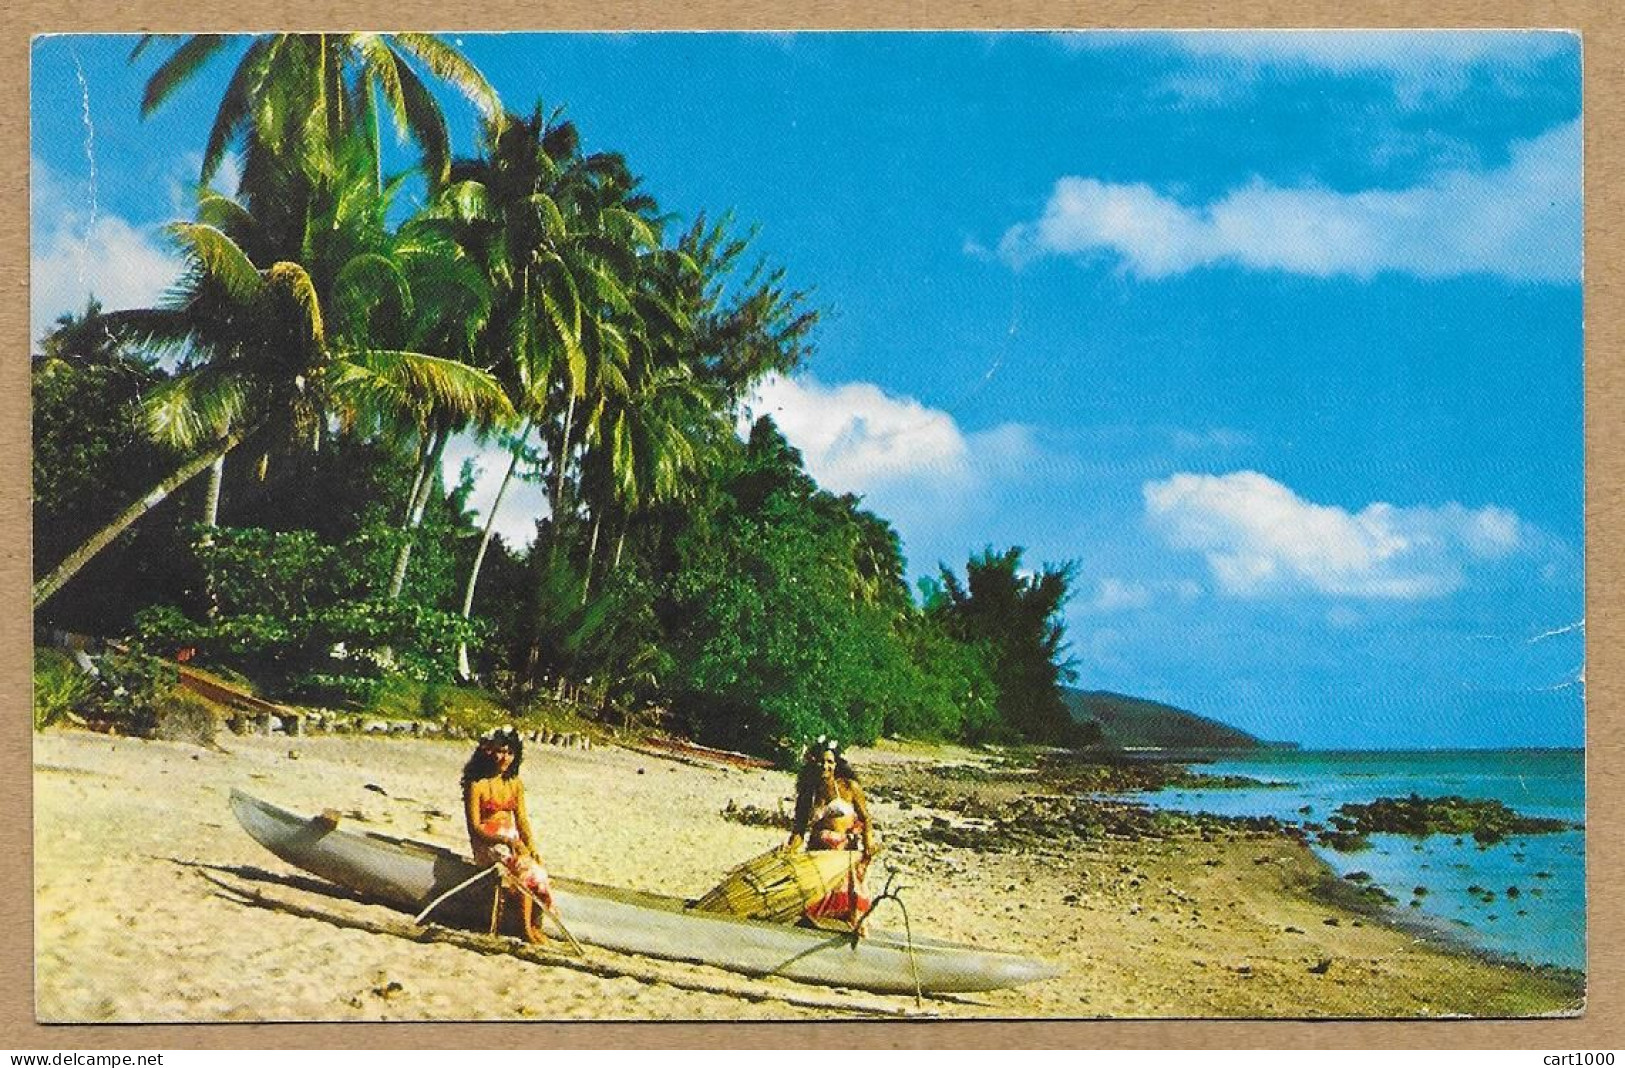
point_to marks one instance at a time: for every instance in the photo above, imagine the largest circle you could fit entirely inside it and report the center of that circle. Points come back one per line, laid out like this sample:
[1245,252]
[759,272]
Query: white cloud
[1404,52]
[857,438]
[77,252]
[1259,538]
[1420,64]
[1520,221]
[1122,595]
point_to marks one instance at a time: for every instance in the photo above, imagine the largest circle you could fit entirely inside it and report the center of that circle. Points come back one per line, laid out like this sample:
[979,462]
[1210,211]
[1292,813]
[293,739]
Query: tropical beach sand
[129,926]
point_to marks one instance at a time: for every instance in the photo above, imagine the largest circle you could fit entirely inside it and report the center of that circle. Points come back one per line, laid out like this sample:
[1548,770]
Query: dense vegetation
[249,475]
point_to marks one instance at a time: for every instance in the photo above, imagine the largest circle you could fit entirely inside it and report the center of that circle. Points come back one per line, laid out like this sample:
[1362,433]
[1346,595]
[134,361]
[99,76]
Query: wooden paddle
[547,910]
[464,885]
[510,883]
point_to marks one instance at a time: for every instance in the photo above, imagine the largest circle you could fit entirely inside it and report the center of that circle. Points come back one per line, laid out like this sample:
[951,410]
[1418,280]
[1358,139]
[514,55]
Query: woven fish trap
[779,885]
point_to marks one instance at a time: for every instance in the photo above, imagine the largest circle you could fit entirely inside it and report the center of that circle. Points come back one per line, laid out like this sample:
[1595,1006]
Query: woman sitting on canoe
[831,813]
[498,827]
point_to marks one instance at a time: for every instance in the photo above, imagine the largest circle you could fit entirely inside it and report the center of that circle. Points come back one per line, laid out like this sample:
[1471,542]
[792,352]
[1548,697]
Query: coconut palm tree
[293,96]
[560,235]
[258,362]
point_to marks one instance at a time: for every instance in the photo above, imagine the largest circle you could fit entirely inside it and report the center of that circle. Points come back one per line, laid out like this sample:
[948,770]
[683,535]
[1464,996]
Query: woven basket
[779,885]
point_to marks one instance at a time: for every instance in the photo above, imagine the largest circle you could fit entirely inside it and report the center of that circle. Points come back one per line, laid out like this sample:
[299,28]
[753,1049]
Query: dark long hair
[811,776]
[483,764]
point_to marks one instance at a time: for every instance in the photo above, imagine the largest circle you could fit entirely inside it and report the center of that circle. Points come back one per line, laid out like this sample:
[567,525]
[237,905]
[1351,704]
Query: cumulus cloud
[1260,538]
[77,251]
[857,438]
[1123,595]
[1409,55]
[1421,65]
[1520,221]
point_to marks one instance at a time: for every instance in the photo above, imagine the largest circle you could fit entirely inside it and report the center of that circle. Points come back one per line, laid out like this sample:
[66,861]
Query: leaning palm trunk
[211,499]
[564,456]
[463,668]
[592,556]
[211,520]
[46,587]
[424,446]
[414,520]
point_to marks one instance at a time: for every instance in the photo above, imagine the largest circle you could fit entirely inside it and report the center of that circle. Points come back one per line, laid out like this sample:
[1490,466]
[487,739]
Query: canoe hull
[409,875]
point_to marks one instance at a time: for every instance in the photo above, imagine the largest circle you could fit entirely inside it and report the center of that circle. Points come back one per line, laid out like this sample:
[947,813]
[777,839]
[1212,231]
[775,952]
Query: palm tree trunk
[424,444]
[563,457]
[211,520]
[414,519]
[592,553]
[463,669]
[46,587]
[211,498]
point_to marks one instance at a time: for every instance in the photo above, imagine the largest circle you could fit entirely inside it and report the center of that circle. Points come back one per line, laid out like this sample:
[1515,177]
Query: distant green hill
[1130,722]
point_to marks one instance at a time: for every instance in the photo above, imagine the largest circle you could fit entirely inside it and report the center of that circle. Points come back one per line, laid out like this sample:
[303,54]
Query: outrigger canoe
[410,875]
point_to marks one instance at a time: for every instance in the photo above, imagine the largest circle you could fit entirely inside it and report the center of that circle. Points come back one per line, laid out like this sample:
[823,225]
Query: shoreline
[1224,927]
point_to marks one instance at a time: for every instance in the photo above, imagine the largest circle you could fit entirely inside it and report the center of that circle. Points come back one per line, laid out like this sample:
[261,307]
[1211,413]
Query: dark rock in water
[1420,891]
[1487,822]
[1344,841]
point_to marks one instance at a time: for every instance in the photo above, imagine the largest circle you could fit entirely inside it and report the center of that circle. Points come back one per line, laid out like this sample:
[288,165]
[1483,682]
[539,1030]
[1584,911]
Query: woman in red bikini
[831,813]
[498,827]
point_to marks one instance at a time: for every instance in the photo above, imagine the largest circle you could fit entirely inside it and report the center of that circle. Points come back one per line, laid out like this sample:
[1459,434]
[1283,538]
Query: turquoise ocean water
[1529,900]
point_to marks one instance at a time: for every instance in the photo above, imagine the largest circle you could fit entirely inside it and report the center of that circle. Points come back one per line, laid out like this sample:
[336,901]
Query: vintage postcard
[807,526]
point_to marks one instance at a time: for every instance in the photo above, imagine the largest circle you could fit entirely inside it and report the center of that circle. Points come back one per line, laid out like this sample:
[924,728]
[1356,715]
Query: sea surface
[1524,897]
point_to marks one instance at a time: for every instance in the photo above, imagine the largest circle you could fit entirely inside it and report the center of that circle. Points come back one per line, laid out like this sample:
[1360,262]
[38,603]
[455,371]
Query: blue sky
[1278,336]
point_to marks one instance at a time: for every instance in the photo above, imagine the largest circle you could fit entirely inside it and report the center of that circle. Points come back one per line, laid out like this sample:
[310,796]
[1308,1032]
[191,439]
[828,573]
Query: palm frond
[631,227]
[453,68]
[365,282]
[607,287]
[159,331]
[226,215]
[197,407]
[180,66]
[548,215]
[148,39]
[431,383]
[219,258]
[467,201]
[422,116]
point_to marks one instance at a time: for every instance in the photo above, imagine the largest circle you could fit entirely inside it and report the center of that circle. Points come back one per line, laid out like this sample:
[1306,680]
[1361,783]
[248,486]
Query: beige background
[1603,1025]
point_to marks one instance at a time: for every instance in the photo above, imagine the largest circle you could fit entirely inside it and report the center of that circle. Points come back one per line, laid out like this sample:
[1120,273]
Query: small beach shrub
[128,691]
[60,687]
[183,716]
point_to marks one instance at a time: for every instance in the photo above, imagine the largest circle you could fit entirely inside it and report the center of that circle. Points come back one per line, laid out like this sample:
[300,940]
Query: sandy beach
[135,847]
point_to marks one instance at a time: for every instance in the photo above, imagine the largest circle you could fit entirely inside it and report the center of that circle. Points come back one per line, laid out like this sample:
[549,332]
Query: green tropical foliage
[1015,614]
[538,298]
